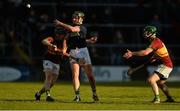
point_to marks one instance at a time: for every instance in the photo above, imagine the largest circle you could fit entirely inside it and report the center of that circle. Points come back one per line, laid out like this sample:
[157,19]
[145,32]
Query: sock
[77,92]
[94,91]
[157,97]
[166,91]
[38,93]
[41,91]
[48,93]
[169,97]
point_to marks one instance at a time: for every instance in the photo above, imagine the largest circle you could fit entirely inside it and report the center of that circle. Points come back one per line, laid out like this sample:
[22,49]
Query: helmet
[78,14]
[150,29]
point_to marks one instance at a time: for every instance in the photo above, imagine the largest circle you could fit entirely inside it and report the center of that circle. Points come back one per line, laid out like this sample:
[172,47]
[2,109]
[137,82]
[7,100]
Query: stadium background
[118,22]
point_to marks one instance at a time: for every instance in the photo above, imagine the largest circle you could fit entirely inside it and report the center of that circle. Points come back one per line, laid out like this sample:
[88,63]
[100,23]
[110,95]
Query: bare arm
[65,44]
[144,52]
[57,23]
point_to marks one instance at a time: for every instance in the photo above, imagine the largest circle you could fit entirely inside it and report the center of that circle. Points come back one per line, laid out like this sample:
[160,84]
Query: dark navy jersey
[52,55]
[77,39]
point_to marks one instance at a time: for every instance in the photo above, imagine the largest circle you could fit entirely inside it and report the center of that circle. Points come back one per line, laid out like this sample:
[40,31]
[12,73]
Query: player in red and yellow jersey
[161,74]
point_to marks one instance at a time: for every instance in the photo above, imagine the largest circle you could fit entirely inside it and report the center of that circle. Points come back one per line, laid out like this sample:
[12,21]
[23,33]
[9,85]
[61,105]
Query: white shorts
[164,70]
[80,53]
[50,66]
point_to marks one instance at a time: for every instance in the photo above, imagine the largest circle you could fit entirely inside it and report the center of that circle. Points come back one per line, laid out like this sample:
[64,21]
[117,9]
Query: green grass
[113,96]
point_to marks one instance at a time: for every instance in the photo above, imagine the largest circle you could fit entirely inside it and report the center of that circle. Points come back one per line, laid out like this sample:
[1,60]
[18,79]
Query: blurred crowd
[118,22]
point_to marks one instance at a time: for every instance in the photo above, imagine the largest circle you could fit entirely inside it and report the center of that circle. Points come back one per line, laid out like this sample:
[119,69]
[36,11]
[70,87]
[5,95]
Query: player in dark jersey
[161,74]
[77,44]
[55,48]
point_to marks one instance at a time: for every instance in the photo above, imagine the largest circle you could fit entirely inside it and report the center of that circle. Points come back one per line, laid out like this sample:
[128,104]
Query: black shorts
[160,76]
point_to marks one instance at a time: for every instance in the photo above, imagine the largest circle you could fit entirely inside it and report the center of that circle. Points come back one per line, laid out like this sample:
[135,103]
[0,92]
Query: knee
[151,80]
[161,85]
[48,80]
[75,76]
[90,76]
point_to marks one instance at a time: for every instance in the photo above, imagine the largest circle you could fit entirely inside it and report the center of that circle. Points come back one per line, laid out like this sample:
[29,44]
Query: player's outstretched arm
[145,52]
[58,23]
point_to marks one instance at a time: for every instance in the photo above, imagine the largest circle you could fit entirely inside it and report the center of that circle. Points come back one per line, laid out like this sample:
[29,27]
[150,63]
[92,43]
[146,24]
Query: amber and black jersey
[52,55]
[77,39]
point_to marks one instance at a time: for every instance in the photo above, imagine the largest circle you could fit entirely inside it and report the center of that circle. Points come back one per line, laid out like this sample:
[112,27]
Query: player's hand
[66,54]
[52,47]
[93,39]
[59,51]
[55,47]
[128,54]
[64,51]
[56,23]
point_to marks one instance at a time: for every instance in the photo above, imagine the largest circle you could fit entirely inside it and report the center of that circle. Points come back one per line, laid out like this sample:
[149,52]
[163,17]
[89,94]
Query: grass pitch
[113,96]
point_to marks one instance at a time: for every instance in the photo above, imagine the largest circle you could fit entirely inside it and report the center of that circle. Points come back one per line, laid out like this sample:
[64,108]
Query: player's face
[77,20]
[146,34]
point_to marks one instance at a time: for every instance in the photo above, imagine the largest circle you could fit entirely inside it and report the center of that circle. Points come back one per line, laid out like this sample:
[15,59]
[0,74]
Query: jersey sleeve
[155,44]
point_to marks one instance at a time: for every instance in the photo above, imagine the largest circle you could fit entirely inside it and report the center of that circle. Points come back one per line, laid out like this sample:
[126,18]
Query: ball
[28,5]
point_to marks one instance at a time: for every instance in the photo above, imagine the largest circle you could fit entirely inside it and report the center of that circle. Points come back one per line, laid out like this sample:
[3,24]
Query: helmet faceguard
[78,17]
[149,31]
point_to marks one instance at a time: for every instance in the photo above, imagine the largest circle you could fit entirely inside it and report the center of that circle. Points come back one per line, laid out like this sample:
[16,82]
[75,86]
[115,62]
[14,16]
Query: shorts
[80,53]
[50,66]
[163,71]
